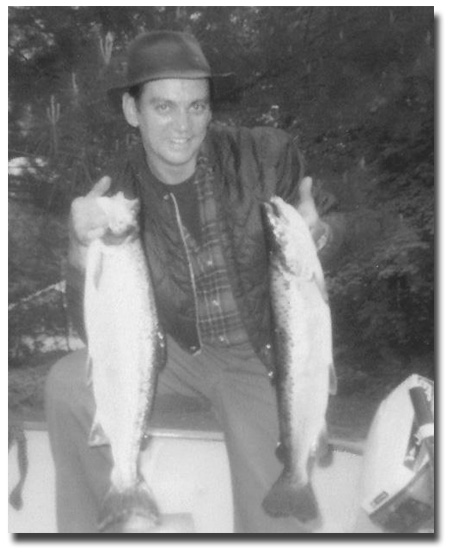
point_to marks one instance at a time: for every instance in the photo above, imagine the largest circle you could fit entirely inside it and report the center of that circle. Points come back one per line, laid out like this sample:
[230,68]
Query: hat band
[168,74]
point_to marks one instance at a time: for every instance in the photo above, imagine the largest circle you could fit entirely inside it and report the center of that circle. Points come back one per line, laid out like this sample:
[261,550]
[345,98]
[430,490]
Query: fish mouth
[270,211]
[268,217]
[273,223]
[273,214]
[128,235]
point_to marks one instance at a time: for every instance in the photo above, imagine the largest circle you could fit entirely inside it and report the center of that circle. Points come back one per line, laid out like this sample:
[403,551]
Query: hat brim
[224,86]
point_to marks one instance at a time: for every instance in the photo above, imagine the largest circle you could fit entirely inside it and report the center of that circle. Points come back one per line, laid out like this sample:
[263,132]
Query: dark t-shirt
[186,196]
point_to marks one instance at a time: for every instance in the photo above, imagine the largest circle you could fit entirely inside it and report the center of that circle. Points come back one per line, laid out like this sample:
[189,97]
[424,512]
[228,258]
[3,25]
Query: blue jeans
[234,380]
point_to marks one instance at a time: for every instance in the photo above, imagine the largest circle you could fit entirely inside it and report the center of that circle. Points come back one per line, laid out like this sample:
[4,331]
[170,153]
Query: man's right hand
[87,220]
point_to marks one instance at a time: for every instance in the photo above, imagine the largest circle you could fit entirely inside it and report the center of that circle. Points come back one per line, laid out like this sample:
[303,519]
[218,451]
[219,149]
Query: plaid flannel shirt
[218,317]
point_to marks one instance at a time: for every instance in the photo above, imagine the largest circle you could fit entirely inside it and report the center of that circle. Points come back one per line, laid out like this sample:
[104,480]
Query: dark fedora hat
[164,55]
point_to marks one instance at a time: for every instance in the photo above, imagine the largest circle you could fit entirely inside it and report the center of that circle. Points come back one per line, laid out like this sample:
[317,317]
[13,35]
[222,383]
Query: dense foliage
[354,85]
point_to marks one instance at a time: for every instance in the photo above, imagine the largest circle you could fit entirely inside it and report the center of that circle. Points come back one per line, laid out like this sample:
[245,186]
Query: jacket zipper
[191,271]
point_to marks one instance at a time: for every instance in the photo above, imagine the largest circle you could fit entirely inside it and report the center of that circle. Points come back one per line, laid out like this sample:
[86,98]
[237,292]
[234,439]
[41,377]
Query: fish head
[290,240]
[122,215]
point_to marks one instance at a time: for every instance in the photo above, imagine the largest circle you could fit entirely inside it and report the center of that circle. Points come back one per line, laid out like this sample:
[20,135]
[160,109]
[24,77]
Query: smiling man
[201,187]
[173,117]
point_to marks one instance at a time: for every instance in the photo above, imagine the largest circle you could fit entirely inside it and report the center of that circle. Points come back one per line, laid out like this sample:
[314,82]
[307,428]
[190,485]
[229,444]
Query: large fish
[303,357]
[126,351]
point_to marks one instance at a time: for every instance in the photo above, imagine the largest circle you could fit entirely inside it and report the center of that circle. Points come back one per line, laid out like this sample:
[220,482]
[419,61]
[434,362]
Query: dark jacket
[249,166]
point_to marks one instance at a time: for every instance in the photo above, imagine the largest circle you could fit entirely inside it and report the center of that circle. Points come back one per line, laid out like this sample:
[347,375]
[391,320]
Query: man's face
[172,116]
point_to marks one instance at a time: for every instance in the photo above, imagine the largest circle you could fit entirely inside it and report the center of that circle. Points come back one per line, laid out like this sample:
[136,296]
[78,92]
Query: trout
[303,359]
[126,352]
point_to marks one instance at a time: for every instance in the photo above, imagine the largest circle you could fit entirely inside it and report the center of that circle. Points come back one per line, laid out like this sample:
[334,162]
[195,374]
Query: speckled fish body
[303,355]
[125,350]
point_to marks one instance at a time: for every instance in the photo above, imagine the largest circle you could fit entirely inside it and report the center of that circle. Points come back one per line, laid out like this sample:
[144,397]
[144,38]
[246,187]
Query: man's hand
[87,220]
[307,208]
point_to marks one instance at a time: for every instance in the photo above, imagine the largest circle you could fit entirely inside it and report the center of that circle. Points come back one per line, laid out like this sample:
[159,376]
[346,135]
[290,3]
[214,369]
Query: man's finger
[100,188]
[307,206]
[305,188]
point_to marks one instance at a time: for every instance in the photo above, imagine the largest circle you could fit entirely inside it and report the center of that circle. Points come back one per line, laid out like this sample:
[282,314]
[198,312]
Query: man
[201,187]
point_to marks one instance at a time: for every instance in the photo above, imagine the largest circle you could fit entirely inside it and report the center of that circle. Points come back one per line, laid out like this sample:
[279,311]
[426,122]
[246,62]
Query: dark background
[353,85]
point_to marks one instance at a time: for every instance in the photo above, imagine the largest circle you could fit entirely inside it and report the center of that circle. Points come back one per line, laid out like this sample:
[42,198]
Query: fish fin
[97,436]
[324,451]
[288,498]
[332,388]
[133,510]
[312,271]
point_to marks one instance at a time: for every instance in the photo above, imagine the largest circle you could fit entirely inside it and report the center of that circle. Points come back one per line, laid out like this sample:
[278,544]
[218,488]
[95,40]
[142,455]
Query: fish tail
[288,498]
[123,511]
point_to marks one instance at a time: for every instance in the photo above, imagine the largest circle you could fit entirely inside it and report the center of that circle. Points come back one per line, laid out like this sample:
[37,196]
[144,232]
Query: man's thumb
[307,206]
[305,189]
[101,187]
